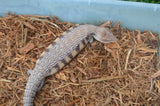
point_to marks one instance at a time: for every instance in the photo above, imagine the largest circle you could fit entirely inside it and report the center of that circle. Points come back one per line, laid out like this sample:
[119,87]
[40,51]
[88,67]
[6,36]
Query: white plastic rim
[133,15]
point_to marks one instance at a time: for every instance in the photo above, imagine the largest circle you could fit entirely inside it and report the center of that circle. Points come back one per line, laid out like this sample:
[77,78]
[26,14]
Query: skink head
[104,35]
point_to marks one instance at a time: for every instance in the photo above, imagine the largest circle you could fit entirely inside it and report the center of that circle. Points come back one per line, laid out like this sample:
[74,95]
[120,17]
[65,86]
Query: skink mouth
[106,41]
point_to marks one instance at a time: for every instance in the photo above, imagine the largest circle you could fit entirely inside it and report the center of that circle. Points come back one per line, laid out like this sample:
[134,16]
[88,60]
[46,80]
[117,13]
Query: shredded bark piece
[29,46]
[124,73]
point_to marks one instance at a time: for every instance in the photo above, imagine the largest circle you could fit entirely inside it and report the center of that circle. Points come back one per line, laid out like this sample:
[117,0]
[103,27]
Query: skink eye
[92,34]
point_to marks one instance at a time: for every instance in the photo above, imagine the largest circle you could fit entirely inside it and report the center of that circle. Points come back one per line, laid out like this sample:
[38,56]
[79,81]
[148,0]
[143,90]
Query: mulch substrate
[117,74]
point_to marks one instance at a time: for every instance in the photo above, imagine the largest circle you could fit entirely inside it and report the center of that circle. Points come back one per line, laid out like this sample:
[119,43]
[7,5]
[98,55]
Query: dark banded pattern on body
[77,48]
[74,26]
[68,31]
[69,56]
[61,52]
[64,61]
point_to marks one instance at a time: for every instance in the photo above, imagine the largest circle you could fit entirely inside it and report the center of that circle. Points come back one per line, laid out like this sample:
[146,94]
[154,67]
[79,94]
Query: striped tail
[32,87]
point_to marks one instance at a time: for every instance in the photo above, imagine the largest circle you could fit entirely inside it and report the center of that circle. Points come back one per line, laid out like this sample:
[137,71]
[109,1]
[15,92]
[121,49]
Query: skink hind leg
[29,72]
[41,84]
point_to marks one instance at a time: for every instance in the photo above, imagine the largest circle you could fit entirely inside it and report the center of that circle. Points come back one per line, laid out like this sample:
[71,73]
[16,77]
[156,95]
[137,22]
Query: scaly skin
[61,52]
